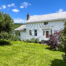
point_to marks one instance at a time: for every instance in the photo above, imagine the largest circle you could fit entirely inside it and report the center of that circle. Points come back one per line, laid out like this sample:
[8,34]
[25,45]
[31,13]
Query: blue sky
[18,9]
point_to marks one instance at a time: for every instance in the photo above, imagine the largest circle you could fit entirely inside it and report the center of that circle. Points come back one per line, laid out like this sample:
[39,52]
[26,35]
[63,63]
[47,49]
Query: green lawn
[29,54]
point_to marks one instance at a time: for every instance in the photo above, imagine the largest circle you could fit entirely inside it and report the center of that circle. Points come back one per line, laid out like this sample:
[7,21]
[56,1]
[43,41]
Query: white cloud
[19,20]
[11,5]
[3,6]
[0,8]
[15,10]
[21,6]
[60,10]
[25,5]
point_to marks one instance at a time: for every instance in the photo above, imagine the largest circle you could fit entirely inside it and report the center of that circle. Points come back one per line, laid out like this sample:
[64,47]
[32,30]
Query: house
[41,26]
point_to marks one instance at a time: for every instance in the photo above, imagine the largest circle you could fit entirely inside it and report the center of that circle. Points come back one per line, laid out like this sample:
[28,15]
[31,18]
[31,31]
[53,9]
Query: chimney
[28,16]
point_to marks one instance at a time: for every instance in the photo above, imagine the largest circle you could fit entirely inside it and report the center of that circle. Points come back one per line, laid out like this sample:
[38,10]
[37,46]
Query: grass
[29,54]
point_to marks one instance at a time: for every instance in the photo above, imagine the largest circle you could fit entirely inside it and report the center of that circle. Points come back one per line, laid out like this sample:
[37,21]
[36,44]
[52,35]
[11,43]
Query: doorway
[47,34]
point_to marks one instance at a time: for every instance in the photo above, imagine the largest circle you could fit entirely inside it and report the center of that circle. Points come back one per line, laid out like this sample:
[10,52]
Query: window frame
[45,23]
[35,32]
[30,32]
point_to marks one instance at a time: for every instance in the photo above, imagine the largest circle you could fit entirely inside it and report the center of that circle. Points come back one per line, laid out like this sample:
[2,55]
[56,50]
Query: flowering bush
[54,40]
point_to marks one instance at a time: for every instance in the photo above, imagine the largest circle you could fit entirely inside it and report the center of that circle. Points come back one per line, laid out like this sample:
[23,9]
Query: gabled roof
[22,27]
[47,17]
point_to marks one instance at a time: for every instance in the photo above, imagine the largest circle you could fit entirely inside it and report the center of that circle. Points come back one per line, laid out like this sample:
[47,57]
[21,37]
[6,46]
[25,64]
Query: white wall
[39,26]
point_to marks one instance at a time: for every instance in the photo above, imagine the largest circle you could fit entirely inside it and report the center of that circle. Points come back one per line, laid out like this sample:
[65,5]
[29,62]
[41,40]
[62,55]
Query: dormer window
[45,23]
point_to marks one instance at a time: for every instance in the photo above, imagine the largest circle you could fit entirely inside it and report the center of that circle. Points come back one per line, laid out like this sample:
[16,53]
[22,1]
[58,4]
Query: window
[35,32]
[30,32]
[45,23]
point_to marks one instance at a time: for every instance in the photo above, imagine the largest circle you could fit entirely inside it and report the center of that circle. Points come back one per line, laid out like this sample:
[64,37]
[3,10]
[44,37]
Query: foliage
[29,54]
[16,25]
[4,42]
[4,35]
[8,36]
[6,26]
[6,23]
[13,37]
[54,40]
[34,40]
[63,41]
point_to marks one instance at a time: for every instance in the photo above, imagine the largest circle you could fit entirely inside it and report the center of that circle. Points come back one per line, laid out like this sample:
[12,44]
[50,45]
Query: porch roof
[22,27]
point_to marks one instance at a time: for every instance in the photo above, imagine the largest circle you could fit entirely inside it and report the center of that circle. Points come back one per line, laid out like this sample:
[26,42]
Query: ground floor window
[35,32]
[30,32]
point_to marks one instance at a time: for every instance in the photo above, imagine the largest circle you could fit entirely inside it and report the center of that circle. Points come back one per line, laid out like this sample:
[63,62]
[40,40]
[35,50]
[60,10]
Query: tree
[63,41]
[6,23]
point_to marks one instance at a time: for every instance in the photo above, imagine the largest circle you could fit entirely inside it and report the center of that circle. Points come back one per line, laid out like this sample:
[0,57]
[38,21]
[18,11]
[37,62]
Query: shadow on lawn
[61,50]
[4,42]
[57,62]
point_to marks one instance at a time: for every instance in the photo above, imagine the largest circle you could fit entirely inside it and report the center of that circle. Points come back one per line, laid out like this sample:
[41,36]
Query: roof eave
[64,19]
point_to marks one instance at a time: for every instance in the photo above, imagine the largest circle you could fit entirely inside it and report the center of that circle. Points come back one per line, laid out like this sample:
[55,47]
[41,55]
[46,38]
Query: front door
[47,34]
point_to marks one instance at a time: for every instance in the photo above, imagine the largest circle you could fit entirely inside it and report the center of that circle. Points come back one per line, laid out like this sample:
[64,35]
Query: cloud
[0,8]
[19,20]
[25,5]
[21,6]
[3,6]
[15,10]
[60,10]
[11,5]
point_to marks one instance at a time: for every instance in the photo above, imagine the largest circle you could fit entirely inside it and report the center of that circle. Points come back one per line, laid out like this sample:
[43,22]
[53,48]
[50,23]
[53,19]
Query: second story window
[45,23]
[35,32]
[30,32]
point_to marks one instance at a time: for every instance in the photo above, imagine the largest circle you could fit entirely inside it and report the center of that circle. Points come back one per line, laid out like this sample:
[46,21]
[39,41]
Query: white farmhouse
[41,26]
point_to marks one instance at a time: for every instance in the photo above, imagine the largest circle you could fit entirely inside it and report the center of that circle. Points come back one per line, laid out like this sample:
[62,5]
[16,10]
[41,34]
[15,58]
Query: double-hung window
[30,32]
[35,32]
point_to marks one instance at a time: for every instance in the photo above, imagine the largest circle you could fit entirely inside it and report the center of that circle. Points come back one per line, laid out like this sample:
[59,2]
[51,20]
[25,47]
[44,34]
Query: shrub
[8,36]
[13,37]
[28,40]
[4,35]
[63,41]
[34,40]
[54,40]
[4,42]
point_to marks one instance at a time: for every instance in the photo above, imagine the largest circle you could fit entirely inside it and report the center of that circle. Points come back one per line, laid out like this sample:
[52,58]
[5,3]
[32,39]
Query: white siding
[39,26]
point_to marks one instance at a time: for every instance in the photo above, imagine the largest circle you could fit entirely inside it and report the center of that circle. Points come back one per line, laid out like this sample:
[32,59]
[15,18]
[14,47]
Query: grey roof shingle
[47,17]
[22,27]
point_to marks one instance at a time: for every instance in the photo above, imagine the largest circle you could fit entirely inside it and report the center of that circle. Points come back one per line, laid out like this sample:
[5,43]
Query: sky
[18,9]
